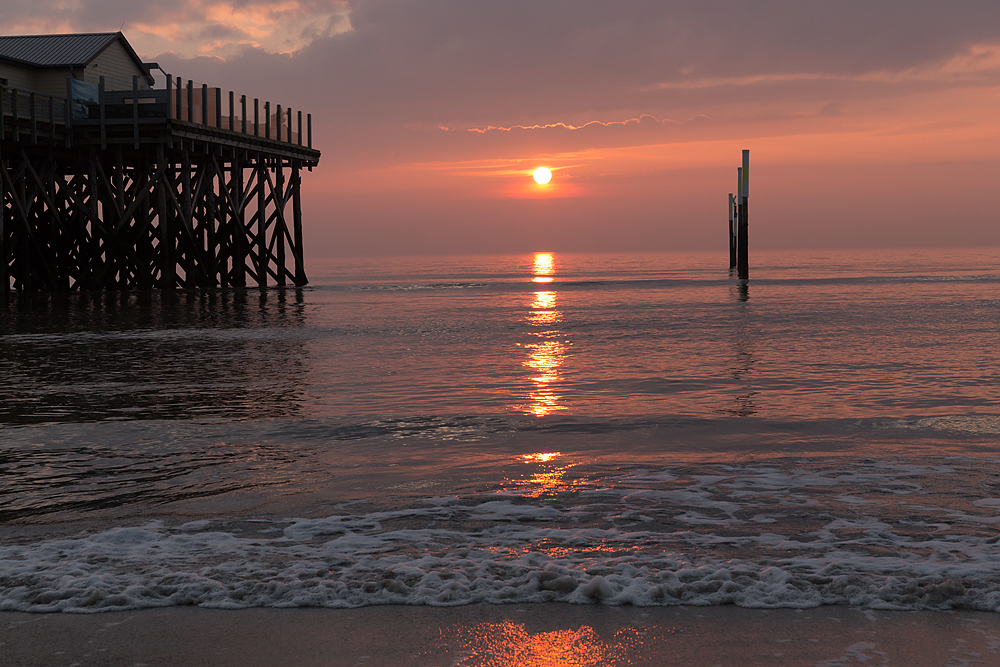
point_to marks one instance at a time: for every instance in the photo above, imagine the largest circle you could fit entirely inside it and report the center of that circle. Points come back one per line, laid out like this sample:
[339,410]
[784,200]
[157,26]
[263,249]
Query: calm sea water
[630,429]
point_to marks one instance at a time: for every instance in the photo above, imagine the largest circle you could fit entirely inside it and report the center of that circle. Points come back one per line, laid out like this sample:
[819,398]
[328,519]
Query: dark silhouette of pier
[149,188]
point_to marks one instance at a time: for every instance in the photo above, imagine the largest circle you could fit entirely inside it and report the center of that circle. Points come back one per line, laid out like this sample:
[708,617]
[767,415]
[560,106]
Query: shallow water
[629,428]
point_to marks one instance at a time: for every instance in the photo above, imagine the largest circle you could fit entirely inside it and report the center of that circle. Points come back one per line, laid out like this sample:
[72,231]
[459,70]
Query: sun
[542,175]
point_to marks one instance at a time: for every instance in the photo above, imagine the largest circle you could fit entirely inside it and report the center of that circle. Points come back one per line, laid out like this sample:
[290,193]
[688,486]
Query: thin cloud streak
[587,125]
[981,65]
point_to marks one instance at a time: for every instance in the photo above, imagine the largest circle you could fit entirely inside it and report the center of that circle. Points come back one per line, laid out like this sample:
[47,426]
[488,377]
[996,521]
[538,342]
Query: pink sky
[869,123]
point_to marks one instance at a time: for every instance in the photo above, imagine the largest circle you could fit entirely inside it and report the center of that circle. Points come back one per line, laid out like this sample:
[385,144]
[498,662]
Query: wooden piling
[732,235]
[300,271]
[736,213]
[261,264]
[742,260]
[238,196]
[280,228]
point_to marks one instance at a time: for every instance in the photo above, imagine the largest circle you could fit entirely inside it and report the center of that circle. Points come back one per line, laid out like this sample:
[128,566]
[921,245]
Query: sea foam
[866,534]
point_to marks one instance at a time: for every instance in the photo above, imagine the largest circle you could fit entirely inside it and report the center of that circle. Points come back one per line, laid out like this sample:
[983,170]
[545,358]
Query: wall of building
[18,77]
[52,81]
[117,68]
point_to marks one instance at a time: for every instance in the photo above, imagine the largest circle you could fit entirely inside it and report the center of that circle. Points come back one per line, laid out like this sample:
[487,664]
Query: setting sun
[542,175]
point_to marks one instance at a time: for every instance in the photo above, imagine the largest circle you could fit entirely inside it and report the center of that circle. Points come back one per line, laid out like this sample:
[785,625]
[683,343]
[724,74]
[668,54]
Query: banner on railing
[84,94]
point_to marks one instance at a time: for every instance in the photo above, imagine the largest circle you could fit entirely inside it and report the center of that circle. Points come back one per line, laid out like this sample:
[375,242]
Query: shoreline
[500,635]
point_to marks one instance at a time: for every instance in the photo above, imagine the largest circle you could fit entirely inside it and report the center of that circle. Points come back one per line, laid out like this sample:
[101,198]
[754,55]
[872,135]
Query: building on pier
[43,62]
[112,183]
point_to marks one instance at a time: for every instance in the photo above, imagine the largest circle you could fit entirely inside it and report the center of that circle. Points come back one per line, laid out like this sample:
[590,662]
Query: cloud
[630,122]
[188,27]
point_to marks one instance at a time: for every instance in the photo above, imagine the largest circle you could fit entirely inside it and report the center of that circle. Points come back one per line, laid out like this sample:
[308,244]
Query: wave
[793,534]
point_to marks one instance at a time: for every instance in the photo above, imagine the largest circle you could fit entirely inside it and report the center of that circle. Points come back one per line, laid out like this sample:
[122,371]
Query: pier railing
[39,117]
[34,115]
[205,105]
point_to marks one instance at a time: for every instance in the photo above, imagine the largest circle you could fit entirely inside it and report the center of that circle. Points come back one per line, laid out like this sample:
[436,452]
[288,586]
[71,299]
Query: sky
[869,123]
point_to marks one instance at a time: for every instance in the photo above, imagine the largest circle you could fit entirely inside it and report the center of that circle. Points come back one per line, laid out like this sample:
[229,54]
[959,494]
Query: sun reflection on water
[547,479]
[546,356]
[544,267]
[544,309]
[541,457]
[510,644]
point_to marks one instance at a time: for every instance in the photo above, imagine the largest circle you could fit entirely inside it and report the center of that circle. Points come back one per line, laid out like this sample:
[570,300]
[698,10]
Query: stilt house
[107,182]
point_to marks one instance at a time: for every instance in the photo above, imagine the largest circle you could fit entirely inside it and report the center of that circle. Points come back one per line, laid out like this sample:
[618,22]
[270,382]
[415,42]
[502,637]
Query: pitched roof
[73,50]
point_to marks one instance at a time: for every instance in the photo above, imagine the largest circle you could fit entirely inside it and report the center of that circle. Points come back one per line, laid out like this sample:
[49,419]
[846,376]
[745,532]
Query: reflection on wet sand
[152,355]
[510,644]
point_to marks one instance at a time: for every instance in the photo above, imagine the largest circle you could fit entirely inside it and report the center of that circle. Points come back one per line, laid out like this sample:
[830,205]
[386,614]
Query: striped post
[742,259]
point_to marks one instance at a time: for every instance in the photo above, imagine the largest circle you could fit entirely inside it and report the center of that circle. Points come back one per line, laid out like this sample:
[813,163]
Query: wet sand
[500,635]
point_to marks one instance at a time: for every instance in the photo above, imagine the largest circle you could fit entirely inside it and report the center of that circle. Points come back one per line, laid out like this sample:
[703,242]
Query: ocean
[617,429]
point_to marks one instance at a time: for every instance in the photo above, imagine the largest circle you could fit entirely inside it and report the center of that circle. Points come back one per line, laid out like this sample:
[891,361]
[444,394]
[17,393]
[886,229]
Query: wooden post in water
[742,259]
[736,214]
[732,235]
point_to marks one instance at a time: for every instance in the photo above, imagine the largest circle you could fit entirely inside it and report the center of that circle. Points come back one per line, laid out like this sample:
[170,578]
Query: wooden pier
[150,188]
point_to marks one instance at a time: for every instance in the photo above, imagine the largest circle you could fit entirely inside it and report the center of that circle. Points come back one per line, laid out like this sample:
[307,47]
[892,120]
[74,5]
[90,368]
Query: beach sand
[500,635]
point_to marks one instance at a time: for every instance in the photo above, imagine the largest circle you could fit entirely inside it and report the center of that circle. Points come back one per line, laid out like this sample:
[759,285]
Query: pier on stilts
[150,188]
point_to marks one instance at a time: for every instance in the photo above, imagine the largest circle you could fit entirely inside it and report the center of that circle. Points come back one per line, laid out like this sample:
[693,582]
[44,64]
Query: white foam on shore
[876,535]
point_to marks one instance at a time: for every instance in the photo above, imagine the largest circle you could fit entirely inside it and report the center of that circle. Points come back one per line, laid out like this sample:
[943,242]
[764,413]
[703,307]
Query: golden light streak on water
[544,264]
[540,457]
[545,358]
[544,309]
[546,480]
